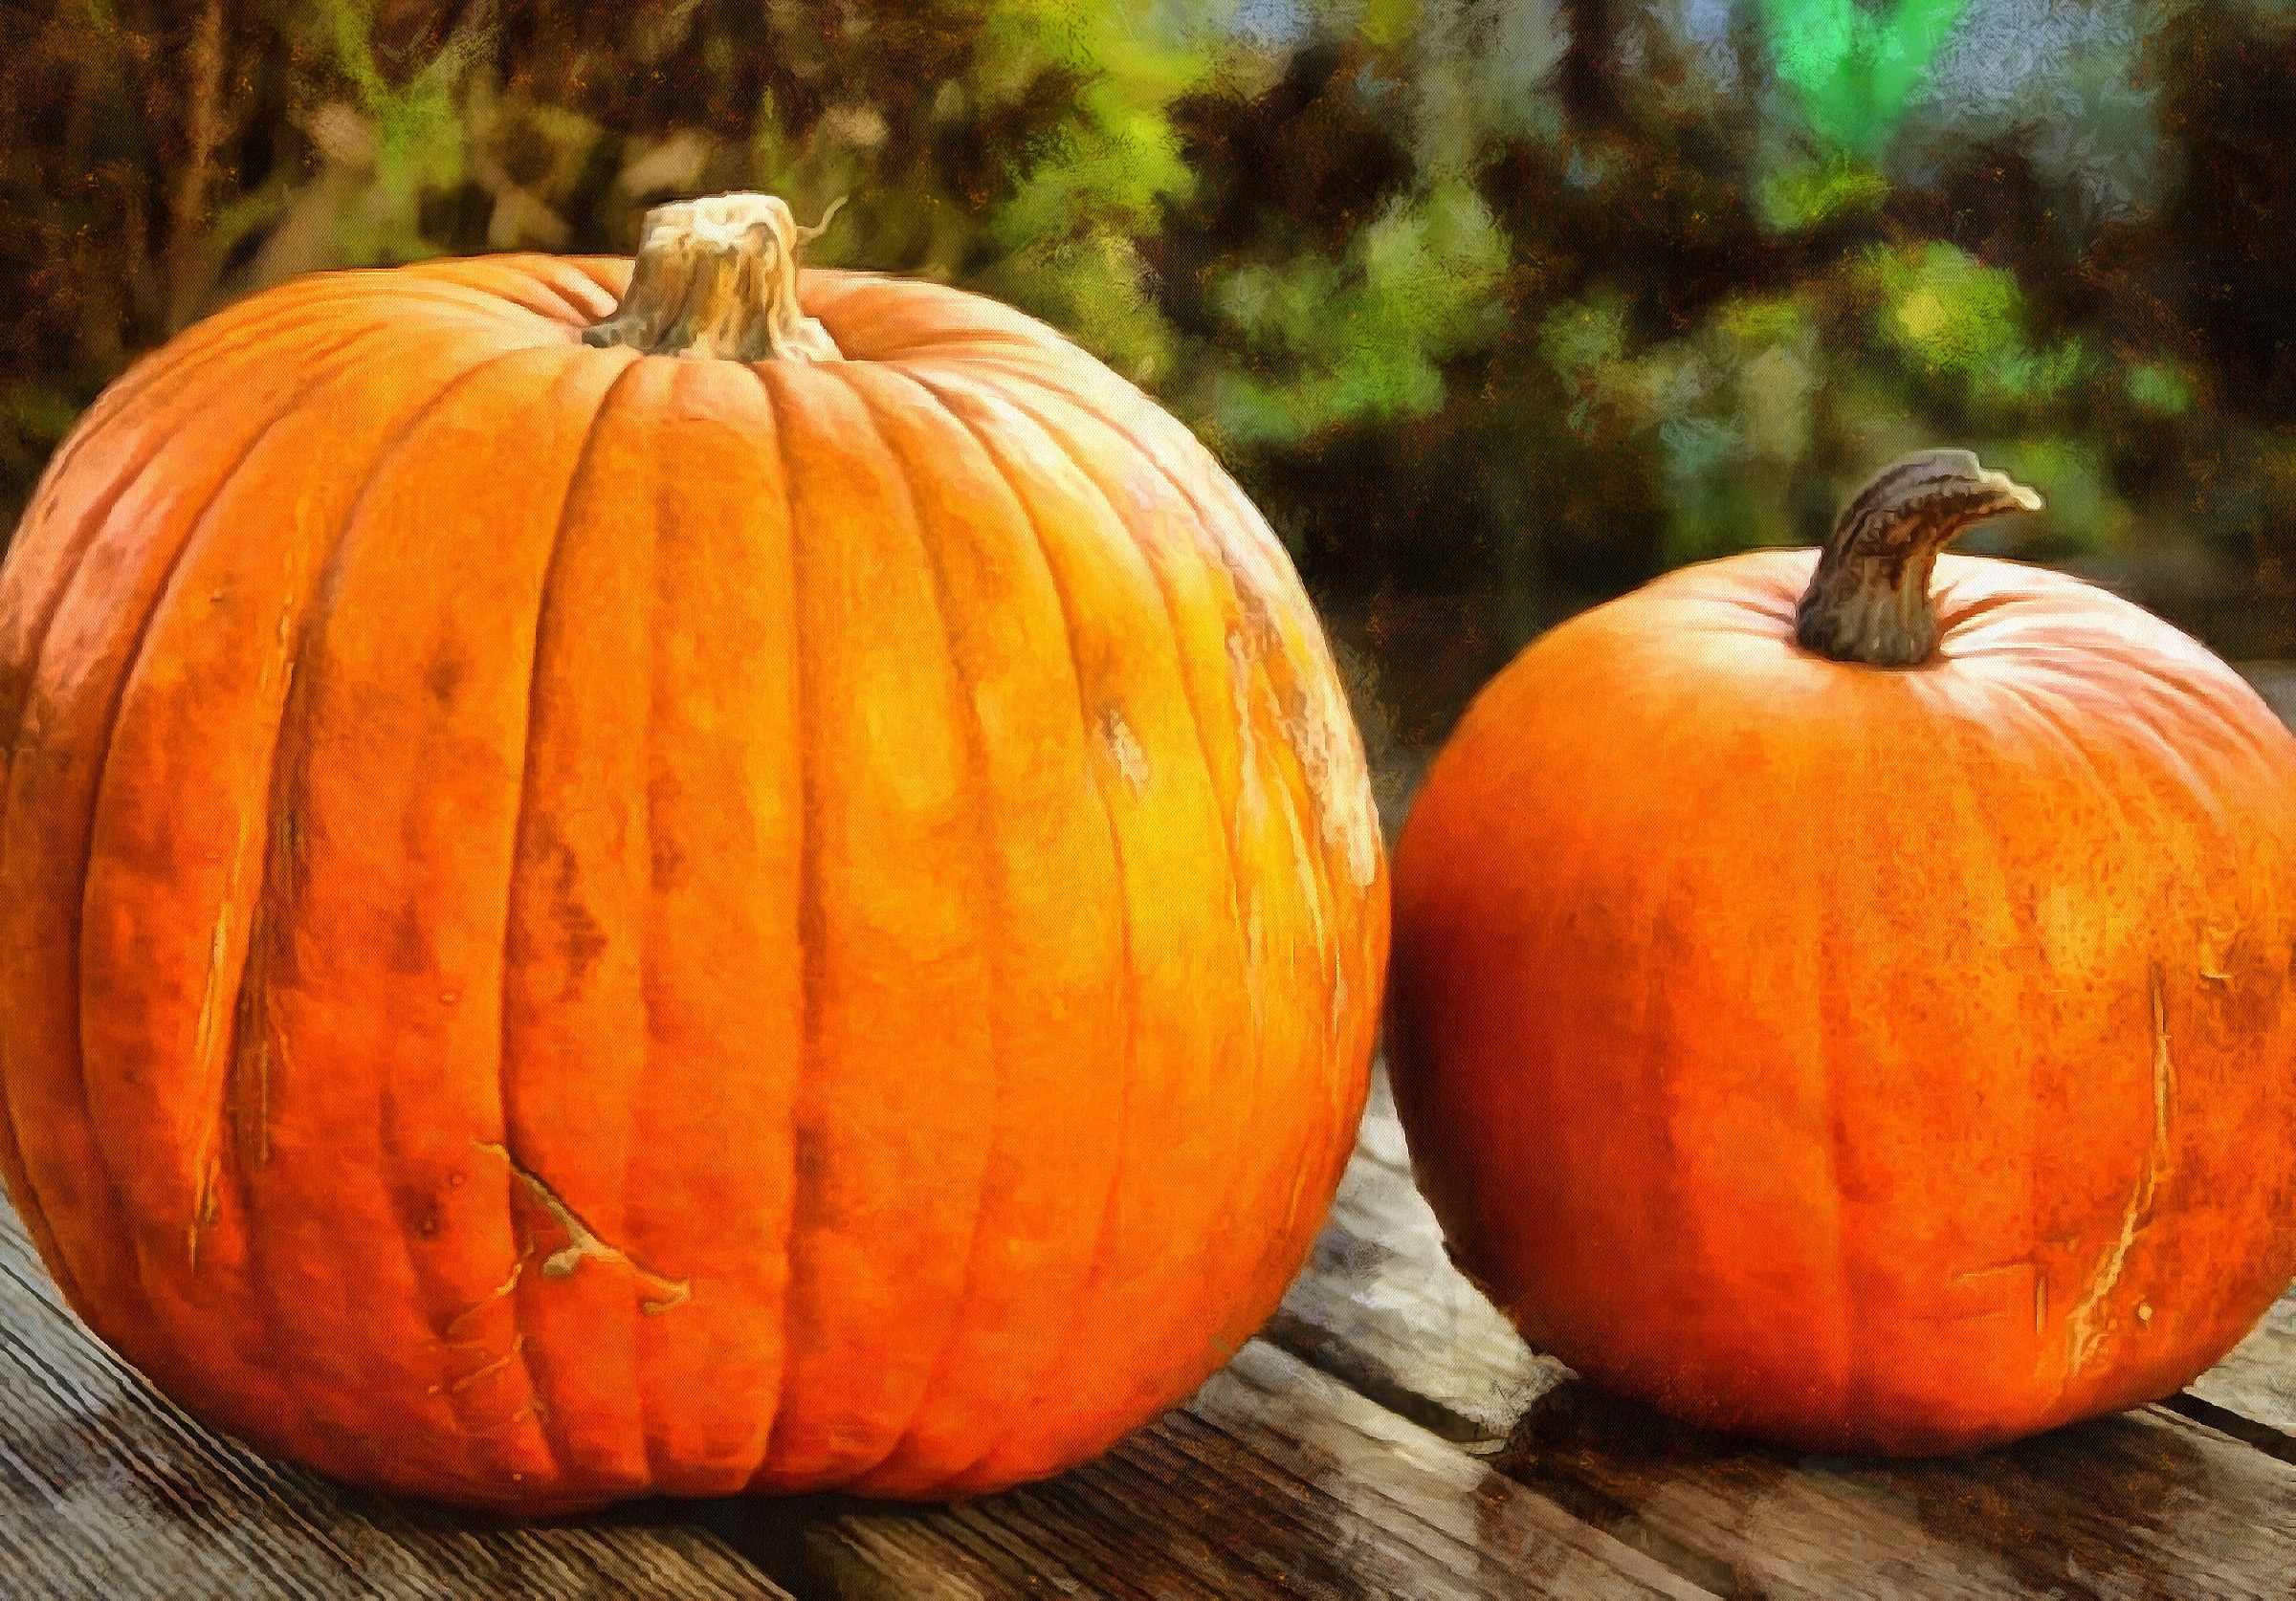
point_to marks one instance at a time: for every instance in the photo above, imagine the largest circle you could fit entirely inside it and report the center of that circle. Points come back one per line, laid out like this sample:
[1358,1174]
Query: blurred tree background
[1497,306]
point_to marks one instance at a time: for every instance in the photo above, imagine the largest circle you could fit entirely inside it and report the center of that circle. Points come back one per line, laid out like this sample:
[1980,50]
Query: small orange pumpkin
[580,923]
[1846,997]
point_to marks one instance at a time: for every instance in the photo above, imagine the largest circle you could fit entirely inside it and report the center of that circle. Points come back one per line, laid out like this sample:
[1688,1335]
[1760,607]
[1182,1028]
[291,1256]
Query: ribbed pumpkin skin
[582,925]
[1890,1060]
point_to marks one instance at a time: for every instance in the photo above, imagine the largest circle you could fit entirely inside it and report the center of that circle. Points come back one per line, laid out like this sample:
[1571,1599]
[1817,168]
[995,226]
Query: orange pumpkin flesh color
[1877,1057]
[582,924]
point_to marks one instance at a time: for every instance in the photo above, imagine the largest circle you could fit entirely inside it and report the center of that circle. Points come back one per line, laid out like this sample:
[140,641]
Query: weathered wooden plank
[1381,1307]
[2252,1392]
[1275,1480]
[2151,1504]
[108,1490]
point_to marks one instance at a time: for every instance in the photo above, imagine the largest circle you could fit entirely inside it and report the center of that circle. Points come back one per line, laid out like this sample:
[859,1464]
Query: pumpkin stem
[1869,599]
[718,277]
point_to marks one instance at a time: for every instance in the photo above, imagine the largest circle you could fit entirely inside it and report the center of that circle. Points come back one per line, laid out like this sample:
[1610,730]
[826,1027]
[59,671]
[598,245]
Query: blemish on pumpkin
[252,1122]
[583,1243]
[2144,1311]
[1249,797]
[1325,740]
[1124,750]
[283,880]
[2215,951]
[204,1209]
[409,949]
[2082,1336]
[1967,1274]
[582,937]
[1314,720]
[444,677]
[667,862]
[211,994]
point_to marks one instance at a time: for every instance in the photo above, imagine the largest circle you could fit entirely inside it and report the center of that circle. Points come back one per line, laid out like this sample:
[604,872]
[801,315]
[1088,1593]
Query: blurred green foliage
[1519,297]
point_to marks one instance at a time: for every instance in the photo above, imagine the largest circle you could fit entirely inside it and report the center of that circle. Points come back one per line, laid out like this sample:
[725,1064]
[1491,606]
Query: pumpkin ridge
[497,276]
[1252,611]
[443,302]
[17,691]
[1126,991]
[1832,1015]
[1180,647]
[275,312]
[642,957]
[192,526]
[600,271]
[542,1416]
[1253,584]
[1185,667]
[2250,735]
[500,285]
[210,1161]
[271,898]
[88,528]
[810,936]
[807,915]
[277,903]
[1299,793]
[1257,1085]
[995,914]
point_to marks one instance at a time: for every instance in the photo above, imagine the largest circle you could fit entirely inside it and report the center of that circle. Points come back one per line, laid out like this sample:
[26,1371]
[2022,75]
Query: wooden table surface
[1386,1437]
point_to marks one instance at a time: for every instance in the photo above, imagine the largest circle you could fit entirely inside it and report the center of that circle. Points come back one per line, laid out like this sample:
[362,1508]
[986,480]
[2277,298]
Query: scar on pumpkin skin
[2215,947]
[456,1386]
[533,1408]
[582,1242]
[517,1269]
[2082,1336]
[1124,749]
[204,1210]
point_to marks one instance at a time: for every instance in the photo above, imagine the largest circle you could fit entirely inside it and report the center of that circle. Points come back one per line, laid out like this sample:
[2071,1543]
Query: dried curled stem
[1869,599]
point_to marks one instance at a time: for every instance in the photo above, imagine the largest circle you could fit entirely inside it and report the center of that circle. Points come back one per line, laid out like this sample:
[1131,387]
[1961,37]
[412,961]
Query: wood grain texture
[2252,1392]
[1275,1480]
[107,1490]
[2148,1503]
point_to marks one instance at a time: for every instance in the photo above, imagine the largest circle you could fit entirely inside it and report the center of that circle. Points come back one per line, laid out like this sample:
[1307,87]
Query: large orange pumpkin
[580,923]
[1877,1040]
